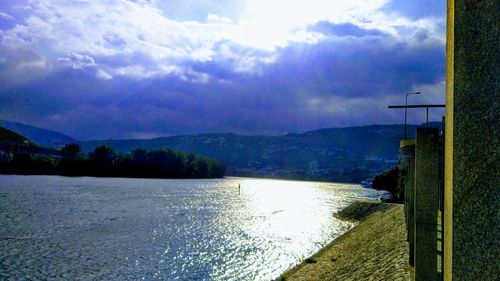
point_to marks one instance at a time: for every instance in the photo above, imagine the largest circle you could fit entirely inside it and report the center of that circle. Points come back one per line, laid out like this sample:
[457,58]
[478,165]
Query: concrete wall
[472,148]
[426,202]
[407,154]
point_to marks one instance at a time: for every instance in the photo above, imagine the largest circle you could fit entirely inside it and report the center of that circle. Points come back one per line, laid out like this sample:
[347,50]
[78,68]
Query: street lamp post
[406,104]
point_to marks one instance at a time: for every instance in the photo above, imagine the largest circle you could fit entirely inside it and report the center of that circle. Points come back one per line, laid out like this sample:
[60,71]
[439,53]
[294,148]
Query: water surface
[87,228]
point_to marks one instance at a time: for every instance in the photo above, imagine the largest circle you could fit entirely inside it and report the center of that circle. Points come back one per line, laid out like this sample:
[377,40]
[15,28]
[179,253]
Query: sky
[148,68]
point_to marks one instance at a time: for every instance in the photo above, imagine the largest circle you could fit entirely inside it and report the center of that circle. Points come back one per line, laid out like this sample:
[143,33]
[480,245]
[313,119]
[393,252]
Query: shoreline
[375,247]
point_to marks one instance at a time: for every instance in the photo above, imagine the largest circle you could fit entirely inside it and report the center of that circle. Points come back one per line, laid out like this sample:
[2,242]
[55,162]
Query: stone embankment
[375,249]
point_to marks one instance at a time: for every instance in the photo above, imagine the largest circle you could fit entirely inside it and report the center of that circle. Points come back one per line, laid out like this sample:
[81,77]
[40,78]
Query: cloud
[77,61]
[114,28]
[21,66]
[111,28]
[119,69]
[211,18]
[5,16]
[344,29]
[333,83]
[103,75]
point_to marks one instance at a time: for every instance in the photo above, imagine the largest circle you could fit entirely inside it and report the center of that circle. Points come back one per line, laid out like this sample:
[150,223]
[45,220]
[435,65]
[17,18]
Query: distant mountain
[332,154]
[367,140]
[43,137]
[376,140]
[336,154]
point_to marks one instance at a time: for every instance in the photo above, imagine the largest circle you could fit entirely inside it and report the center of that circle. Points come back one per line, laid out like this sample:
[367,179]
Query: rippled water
[149,229]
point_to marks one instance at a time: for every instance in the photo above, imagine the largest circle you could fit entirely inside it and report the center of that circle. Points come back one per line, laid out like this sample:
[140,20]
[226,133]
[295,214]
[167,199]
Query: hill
[12,142]
[337,154]
[287,150]
[11,137]
[43,137]
[348,154]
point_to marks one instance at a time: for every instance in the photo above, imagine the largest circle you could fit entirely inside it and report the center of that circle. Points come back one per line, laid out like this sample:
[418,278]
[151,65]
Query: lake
[63,228]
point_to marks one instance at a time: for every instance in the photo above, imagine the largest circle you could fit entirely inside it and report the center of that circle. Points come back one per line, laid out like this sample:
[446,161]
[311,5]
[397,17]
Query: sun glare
[268,198]
[271,24]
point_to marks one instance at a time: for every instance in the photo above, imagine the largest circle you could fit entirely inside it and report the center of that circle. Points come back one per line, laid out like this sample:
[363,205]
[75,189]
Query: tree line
[392,180]
[104,161]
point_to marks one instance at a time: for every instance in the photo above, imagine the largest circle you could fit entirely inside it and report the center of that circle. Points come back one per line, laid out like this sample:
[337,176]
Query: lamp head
[414,93]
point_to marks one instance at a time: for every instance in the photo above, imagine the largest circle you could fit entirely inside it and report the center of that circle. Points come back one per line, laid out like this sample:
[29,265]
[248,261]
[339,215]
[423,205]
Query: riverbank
[375,249]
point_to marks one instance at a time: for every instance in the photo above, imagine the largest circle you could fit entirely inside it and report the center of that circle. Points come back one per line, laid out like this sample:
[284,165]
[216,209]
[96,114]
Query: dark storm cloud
[333,83]
[344,29]
[166,77]
[364,70]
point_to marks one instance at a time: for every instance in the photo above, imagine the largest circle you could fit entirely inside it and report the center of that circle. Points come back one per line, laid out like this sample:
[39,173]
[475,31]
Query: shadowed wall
[472,203]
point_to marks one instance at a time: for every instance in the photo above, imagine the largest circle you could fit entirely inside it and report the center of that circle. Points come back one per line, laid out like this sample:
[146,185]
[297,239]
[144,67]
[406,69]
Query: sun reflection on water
[289,219]
[289,208]
[133,229]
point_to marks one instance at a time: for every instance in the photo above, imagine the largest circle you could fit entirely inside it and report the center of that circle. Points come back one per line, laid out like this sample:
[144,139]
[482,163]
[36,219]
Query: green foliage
[25,163]
[392,181]
[103,155]
[340,152]
[106,162]
[281,278]
[11,136]
[310,260]
[70,152]
[139,155]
